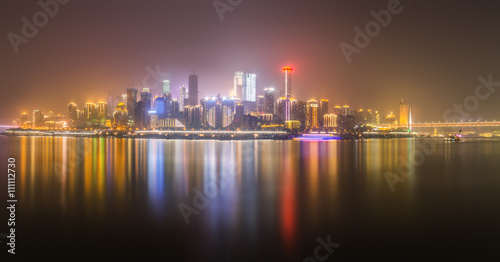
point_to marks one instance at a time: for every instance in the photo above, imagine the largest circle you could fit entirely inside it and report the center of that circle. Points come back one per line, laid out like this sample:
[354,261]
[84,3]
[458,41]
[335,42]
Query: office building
[404,112]
[249,87]
[182,98]
[288,92]
[72,115]
[131,102]
[323,110]
[238,84]
[193,90]
[312,114]
[269,101]
[166,87]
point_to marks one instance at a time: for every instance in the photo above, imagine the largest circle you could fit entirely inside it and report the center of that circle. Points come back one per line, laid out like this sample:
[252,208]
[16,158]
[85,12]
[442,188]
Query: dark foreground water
[93,199]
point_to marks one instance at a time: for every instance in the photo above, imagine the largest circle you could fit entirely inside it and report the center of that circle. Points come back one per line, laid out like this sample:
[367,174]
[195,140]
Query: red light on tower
[287,68]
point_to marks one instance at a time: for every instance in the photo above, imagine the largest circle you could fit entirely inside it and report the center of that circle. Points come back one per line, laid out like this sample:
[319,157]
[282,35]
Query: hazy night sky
[430,54]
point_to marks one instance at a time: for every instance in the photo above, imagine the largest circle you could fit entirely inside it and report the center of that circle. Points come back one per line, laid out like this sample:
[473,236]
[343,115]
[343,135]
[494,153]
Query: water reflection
[268,196]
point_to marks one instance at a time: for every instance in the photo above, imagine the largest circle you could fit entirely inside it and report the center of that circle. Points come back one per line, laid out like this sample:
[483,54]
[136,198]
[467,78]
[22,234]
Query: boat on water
[454,138]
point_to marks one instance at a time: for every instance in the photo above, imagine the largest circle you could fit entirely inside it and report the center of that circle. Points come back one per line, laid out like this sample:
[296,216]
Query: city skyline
[398,63]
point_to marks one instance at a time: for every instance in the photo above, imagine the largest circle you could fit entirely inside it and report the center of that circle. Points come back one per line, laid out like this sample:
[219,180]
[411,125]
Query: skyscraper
[249,87]
[260,104]
[146,100]
[182,97]
[312,114]
[131,100]
[111,103]
[269,100]
[72,114]
[404,112]
[288,92]
[38,120]
[238,84]
[166,87]
[193,90]
[323,110]
[346,111]
[102,109]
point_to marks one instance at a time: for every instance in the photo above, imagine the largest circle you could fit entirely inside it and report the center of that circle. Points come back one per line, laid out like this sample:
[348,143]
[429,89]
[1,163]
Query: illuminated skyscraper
[38,119]
[72,114]
[102,109]
[346,111]
[238,84]
[249,87]
[337,110]
[131,100]
[182,98]
[90,111]
[260,104]
[281,109]
[120,115]
[111,103]
[166,87]
[312,114]
[193,90]
[146,100]
[288,92]
[404,112]
[323,110]
[269,95]
[24,120]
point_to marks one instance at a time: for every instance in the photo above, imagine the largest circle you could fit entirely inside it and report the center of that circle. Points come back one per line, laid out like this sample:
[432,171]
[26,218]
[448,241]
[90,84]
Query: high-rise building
[166,87]
[120,115]
[260,104]
[90,111]
[323,110]
[111,104]
[24,120]
[146,98]
[182,97]
[72,114]
[269,100]
[337,110]
[140,115]
[295,109]
[302,112]
[312,114]
[346,111]
[102,109]
[38,119]
[238,84]
[404,112]
[249,87]
[159,107]
[288,92]
[198,116]
[281,110]
[175,109]
[209,114]
[193,90]
[131,102]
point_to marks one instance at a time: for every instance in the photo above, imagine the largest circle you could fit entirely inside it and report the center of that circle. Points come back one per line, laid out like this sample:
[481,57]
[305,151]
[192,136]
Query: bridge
[446,124]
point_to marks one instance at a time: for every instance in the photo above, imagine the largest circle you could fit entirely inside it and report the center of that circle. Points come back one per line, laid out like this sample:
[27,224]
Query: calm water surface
[115,199]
